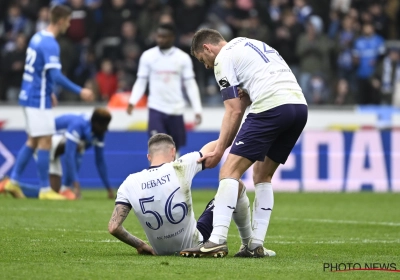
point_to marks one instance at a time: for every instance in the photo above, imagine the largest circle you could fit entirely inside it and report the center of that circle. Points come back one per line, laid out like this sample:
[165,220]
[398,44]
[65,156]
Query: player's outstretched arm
[115,228]
[209,147]
[234,112]
[60,79]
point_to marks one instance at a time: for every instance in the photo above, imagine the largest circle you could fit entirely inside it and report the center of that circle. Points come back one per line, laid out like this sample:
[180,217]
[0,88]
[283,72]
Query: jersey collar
[47,33]
[155,166]
[168,51]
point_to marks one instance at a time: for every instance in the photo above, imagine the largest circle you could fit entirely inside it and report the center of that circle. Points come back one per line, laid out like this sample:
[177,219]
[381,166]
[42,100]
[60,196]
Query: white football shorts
[55,167]
[39,122]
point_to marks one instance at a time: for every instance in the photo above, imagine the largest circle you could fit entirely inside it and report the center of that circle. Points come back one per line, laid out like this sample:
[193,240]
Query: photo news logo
[344,267]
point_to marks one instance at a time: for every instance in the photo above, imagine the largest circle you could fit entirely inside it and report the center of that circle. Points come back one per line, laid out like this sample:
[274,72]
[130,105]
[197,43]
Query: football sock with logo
[224,205]
[242,217]
[43,162]
[262,209]
[23,158]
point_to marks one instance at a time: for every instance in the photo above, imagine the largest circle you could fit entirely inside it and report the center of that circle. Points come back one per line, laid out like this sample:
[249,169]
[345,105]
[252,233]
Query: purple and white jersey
[166,71]
[161,198]
[43,53]
[259,69]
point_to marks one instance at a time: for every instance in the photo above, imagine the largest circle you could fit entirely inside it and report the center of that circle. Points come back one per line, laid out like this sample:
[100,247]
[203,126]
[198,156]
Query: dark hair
[59,12]
[168,26]
[101,116]
[205,36]
[160,138]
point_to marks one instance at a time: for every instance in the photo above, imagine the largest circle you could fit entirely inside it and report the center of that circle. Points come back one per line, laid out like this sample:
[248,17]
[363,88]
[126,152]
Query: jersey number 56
[168,210]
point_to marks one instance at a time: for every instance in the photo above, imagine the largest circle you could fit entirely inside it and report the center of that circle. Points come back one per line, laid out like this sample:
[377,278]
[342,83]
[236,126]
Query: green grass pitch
[69,240]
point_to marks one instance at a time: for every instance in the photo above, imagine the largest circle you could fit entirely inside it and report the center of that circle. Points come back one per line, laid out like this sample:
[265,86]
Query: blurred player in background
[42,71]
[166,68]
[75,134]
[161,199]
[278,113]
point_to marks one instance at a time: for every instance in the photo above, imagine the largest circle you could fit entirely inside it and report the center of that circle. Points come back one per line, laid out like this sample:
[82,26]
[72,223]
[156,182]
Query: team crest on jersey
[224,82]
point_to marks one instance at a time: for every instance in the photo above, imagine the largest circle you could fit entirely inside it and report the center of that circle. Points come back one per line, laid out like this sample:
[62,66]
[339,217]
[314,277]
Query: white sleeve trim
[72,137]
[52,65]
[99,144]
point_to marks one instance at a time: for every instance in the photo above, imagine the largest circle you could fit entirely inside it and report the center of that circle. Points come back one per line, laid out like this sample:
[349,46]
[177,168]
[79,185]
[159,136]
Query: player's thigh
[234,167]
[264,170]
[39,123]
[286,140]
[157,122]
[176,128]
[258,133]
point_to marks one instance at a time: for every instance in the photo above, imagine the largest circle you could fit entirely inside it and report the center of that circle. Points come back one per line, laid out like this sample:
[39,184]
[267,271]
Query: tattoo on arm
[115,226]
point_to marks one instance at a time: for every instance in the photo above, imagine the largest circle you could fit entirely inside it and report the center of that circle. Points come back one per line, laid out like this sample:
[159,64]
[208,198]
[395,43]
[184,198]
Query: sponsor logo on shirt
[224,82]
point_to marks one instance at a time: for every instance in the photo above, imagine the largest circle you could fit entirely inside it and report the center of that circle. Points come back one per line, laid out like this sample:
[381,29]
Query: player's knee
[228,173]
[32,142]
[261,177]
[44,143]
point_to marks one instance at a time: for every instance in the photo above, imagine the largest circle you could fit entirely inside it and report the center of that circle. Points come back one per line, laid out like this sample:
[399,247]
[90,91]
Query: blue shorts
[272,133]
[205,222]
[172,125]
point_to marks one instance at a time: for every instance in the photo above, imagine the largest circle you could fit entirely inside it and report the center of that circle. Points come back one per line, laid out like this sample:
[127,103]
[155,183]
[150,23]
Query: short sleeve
[189,165]
[225,73]
[122,196]
[51,55]
[144,67]
[187,69]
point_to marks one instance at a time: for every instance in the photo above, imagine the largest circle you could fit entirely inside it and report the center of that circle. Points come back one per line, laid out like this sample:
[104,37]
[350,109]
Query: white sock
[63,188]
[262,208]
[224,205]
[242,217]
[45,189]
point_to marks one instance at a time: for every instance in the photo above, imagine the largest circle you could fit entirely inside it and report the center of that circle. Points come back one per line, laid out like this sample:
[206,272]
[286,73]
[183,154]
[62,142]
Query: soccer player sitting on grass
[76,133]
[160,196]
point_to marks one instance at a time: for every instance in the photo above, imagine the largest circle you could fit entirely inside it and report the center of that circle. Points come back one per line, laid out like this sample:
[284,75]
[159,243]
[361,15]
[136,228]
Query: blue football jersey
[78,128]
[43,53]
[368,49]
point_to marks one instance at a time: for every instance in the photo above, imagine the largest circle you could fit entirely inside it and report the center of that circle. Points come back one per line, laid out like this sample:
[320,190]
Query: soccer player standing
[42,72]
[166,68]
[277,116]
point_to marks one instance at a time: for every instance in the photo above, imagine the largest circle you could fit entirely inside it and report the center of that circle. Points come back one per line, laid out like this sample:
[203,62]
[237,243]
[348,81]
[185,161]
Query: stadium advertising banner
[322,161]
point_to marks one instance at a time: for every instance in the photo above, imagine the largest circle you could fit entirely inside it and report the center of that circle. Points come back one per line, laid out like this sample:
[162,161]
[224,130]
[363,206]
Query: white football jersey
[166,71]
[258,68]
[162,201]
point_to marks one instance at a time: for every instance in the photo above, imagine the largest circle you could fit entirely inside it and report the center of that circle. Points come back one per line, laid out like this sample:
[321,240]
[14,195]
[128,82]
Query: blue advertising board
[321,161]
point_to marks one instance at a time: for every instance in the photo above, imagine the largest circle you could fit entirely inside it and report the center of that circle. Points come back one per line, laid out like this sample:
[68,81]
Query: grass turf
[69,240]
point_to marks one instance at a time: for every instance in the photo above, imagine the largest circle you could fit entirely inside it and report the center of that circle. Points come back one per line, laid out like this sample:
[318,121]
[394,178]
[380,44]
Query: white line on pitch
[391,224]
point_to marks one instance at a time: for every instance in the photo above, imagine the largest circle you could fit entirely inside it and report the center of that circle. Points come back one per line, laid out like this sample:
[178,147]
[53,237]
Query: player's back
[259,69]
[161,199]
[76,127]
[42,54]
